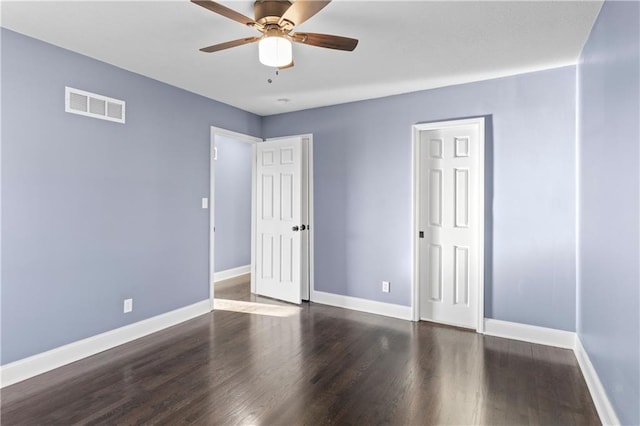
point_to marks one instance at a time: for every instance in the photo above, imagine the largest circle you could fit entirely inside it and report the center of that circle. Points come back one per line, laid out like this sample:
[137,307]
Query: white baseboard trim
[362,305]
[530,333]
[231,273]
[26,368]
[598,394]
[560,339]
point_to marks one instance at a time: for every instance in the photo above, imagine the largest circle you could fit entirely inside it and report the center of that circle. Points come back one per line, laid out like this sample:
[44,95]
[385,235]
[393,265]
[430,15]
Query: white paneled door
[449,224]
[279,219]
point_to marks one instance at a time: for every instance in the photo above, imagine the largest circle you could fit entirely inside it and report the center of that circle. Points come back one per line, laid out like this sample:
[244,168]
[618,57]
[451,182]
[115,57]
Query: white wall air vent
[92,105]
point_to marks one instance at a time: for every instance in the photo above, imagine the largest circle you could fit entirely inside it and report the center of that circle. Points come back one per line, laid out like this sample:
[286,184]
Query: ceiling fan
[276,19]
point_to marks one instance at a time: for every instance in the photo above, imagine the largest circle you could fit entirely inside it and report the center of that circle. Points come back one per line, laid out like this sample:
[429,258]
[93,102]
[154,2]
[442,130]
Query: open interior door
[279,225]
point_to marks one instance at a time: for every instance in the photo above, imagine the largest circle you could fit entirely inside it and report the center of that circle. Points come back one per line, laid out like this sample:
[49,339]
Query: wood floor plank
[321,365]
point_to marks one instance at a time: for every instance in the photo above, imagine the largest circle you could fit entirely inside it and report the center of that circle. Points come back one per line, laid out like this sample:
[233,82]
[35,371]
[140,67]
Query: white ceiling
[404,46]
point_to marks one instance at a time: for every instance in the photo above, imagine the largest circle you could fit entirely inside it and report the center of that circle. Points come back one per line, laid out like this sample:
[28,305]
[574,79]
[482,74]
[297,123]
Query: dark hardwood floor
[315,365]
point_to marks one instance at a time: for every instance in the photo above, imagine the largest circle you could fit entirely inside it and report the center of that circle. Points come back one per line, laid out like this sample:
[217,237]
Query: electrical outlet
[128,305]
[386,287]
[205,203]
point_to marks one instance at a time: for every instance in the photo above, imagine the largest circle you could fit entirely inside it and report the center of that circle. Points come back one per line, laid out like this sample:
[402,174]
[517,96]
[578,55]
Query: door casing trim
[416,199]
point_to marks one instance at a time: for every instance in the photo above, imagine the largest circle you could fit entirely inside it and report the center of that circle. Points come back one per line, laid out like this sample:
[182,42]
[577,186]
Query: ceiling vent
[92,105]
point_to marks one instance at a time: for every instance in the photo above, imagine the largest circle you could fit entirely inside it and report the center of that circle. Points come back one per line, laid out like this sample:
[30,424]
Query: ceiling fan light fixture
[275,51]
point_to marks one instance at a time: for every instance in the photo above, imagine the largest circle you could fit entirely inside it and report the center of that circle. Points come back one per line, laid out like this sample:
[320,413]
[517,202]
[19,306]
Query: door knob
[295,229]
[303,227]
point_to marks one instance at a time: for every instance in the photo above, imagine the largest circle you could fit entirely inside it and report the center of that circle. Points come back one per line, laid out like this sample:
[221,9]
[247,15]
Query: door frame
[309,189]
[241,137]
[417,190]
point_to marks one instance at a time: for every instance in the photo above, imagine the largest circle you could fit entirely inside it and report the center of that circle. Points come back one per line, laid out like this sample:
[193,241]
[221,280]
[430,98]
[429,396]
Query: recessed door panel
[286,156]
[286,197]
[267,197]
[435,197]
[267,258]
[286,259]
[461,278]
[462,146]
[435,272]
[435,148]
[266,157]
[461,188]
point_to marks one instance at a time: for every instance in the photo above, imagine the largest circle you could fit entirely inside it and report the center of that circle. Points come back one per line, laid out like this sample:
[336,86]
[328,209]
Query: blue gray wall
[232,204]
[362,167]
[609,211]
[94,212]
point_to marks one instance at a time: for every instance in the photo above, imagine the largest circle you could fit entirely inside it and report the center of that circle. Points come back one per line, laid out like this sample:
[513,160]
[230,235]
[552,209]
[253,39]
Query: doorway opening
[448,222]
[238,186]
[231,153]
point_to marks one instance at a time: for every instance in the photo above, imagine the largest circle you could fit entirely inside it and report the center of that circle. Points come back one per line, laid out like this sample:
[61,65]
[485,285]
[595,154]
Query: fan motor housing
[270,11]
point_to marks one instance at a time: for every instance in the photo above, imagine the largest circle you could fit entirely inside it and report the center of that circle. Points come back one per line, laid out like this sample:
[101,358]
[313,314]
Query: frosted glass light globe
[275,51]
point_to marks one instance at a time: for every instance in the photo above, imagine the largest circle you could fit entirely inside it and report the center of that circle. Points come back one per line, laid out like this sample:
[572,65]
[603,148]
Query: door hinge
[421,234]
[215,152]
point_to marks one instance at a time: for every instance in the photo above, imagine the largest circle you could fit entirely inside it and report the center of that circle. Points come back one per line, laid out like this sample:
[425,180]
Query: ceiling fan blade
[229,44]
[326,40]
[225,11]
[301,10]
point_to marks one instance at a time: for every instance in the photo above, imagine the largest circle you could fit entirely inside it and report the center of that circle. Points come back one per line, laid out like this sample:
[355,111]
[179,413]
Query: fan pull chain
[277,74]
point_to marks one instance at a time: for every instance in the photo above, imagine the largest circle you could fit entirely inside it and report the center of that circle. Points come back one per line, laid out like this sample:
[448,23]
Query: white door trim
[241,137]
[311,224]
[417,128]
